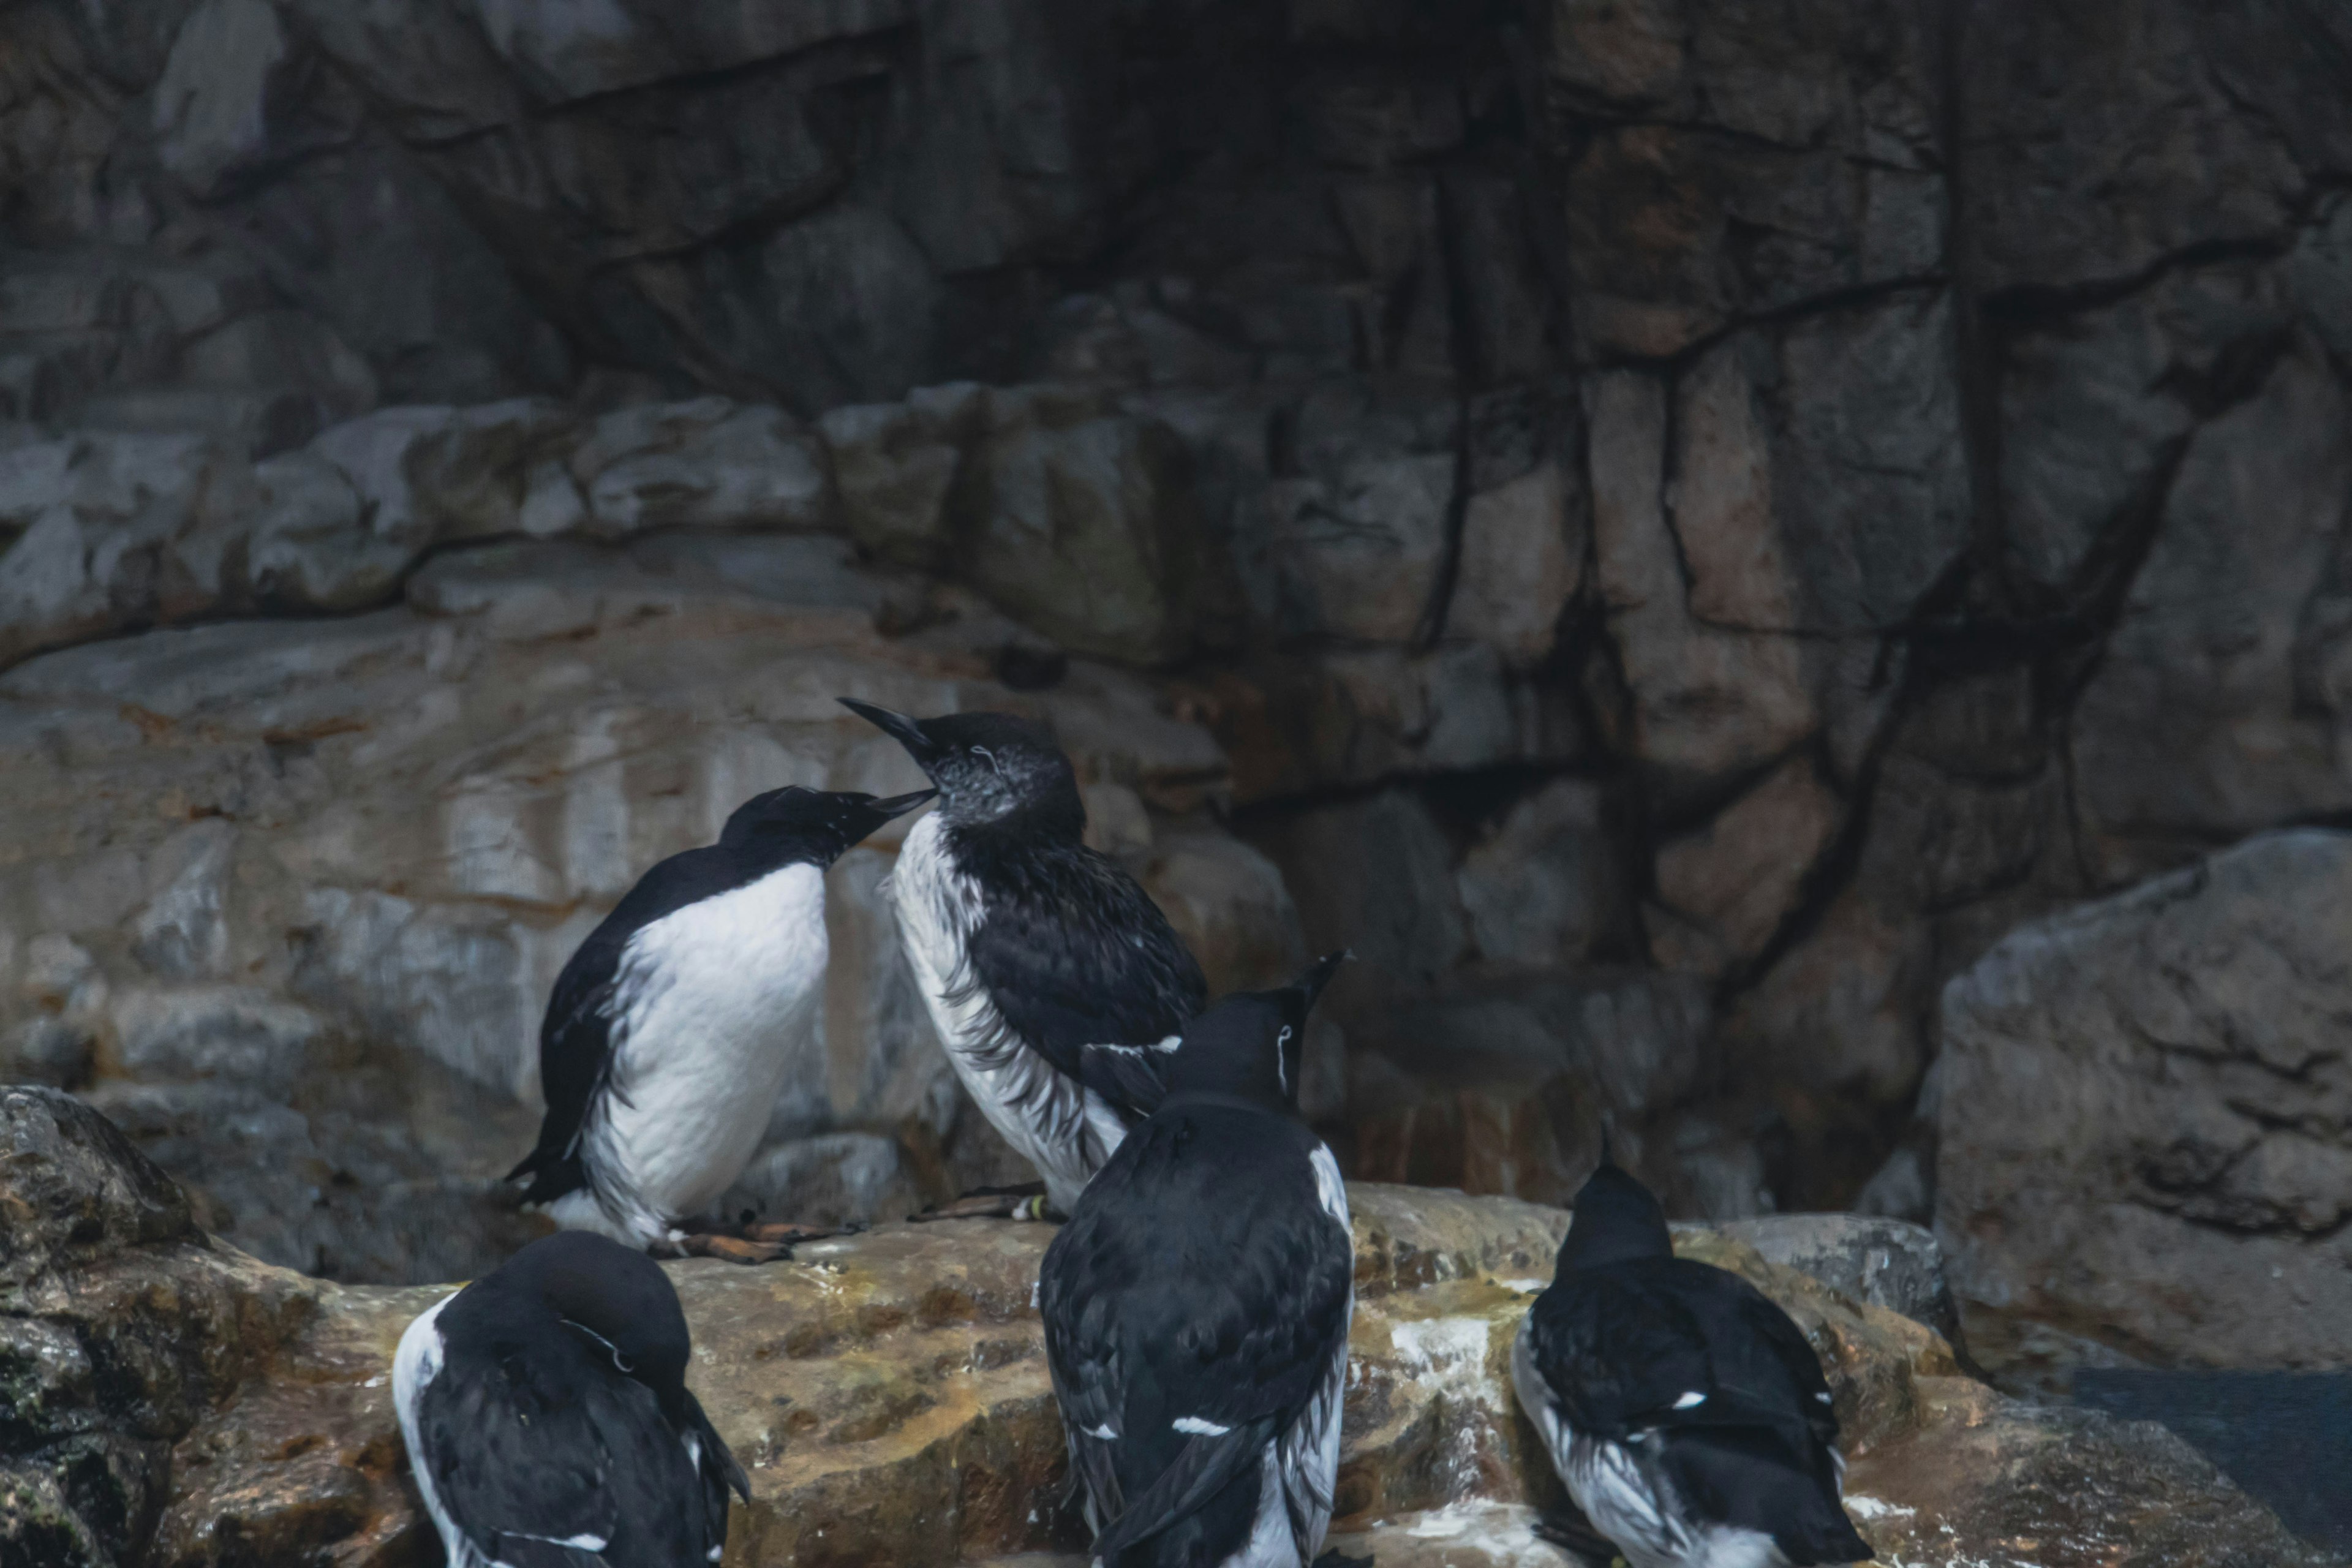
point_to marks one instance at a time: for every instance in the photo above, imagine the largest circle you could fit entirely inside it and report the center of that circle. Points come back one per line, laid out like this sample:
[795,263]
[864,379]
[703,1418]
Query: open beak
[898,727]
[1319,974]
[900,805]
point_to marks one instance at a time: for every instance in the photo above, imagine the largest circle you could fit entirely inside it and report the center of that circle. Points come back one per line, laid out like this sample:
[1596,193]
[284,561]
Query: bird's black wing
[1617,1351]
[542,1464]
[1697,1360]
[1074,953]
[1194,1306]
[575,1046]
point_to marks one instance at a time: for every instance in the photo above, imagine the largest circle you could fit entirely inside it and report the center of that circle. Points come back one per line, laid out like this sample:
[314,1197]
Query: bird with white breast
[674,1026]
[1055,982]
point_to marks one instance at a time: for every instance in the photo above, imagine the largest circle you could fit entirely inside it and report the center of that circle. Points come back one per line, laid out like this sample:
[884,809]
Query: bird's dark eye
[624,1363]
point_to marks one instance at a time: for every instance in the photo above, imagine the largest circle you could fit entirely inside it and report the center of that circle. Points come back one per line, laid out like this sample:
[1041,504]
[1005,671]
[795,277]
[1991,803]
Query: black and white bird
[1683,1410]
[1196,1309]
[672,1028]
[1053,981]
[547,1419]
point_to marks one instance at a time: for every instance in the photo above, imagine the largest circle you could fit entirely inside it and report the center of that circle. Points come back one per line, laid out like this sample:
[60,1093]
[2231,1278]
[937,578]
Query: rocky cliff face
[1670,528]
[165,1399]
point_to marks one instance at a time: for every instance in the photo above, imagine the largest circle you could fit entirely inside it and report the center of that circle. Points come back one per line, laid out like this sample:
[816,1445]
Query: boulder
[2142,1105]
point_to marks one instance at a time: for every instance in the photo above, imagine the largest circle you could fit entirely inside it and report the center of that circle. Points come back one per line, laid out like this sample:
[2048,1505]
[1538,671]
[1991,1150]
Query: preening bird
[672,1028]
[1196,1309]
[547,1419]
[1685,1412]
[1054,982]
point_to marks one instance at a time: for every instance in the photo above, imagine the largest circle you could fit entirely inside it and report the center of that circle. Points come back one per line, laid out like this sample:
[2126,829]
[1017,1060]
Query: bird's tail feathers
[1200,1470]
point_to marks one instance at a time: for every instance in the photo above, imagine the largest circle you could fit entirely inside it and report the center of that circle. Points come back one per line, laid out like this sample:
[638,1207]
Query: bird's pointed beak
[900,805]
[1319,974]
[906,731]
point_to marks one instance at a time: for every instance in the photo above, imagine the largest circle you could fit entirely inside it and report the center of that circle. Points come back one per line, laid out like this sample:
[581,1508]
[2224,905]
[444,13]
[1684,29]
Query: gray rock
[896,465]
[1727,887]
[1079,522]
[1766,161]
[2158,155]
[1544,887]
[1792,450]
[1886,1262]
[2214,711]
[1523,550]
[77,1189]
[2141,1111]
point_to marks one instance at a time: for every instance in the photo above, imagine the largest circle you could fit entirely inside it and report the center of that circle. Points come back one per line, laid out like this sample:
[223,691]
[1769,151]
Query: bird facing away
[1196,1309]
[547,1420]
[672,1028]
[1053,981]
[1683,1410]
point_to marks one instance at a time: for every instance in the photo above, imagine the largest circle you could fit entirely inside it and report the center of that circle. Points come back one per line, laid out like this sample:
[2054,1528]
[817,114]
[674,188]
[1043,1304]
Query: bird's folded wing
[1109,971]
[544,1483]
[1086,1388]
[1133,1077]
[1619,1356]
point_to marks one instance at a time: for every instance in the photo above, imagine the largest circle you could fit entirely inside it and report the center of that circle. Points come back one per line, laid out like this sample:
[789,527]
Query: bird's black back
[574,1042]
[1071,951]
[535,1438]
[1623,1345]
[1200,1276]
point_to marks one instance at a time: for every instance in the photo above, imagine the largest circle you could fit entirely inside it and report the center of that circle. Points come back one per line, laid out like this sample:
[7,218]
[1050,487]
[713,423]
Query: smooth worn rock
[2142,1105]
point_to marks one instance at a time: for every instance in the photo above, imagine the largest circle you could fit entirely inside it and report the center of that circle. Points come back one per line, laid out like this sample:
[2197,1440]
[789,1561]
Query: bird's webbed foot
[733,1249]
[1573,1534]
[1025,1202]
[752,1241]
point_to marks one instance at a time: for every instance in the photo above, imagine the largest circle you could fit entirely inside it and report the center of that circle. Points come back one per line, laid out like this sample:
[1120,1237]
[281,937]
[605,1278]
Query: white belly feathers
[1058,1125]
[715,1006]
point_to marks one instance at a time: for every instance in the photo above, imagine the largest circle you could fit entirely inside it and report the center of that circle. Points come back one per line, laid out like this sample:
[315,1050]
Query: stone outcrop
[2143,1106]
[173,1401]
[1739,505]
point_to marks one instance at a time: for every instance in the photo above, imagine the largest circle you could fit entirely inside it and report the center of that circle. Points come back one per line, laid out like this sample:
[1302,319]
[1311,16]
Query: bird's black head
[989,767]
[1617,1220]
[1252,1045]
[614,1299]
[791,826]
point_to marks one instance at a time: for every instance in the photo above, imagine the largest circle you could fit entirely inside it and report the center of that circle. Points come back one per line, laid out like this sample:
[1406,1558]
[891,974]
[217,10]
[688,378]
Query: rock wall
[1670,528]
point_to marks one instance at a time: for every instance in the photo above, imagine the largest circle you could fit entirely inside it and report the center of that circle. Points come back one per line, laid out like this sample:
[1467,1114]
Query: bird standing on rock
[1054,982]
[1683,1410]
[672,1027]
[1196,1309]
[547,1420]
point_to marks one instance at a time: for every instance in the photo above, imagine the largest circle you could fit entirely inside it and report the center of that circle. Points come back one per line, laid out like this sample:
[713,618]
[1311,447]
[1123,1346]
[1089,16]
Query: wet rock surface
[174,1402]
